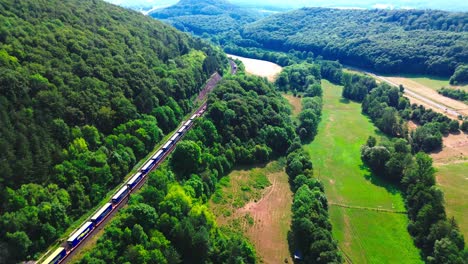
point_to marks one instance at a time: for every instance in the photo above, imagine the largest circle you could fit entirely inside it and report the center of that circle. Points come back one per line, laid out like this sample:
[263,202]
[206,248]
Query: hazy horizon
[447,5]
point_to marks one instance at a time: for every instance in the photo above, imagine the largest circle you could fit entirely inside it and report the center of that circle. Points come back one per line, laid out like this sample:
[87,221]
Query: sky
[449,5]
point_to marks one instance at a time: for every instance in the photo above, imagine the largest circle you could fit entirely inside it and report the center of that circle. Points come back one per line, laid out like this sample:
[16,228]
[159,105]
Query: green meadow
[453,179]
[364,236]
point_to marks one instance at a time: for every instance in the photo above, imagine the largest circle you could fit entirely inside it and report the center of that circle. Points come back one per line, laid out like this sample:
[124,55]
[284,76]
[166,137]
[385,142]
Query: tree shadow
[344,100]
[390,186]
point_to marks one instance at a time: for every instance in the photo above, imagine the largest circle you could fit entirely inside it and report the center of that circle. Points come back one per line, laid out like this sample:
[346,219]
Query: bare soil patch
[259,67]
[295,102]
[455,150]
[265,219]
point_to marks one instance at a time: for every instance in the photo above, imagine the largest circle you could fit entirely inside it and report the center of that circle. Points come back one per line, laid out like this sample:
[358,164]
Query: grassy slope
[263,214]
[453,180]
[364,236]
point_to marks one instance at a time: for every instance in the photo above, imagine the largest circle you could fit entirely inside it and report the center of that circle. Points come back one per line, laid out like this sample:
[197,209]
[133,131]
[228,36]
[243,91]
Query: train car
[79,235]
[188,123]
[101,214]
[193,117]
[158,156]
[148,166]
[182,129]
[134,180]
[175,137]
[167,145]
[56,257]
[119,195]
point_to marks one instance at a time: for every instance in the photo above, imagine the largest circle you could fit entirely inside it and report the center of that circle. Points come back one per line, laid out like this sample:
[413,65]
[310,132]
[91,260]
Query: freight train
[77,237]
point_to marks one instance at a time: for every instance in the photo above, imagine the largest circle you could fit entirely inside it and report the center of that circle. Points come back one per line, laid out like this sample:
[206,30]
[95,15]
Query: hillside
[387,41]
[86,90]
[431,42]
[210,16]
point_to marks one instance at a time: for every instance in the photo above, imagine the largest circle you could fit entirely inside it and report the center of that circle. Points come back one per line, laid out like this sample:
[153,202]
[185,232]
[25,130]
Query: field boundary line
[367,208]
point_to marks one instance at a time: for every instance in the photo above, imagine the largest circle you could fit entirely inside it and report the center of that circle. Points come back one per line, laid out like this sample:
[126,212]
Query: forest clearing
[257,201]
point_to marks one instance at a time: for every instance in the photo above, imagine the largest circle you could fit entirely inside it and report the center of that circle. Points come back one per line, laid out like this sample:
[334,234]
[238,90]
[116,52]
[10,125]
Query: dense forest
[388,41]
[247,122]
[86,90]
[411,41]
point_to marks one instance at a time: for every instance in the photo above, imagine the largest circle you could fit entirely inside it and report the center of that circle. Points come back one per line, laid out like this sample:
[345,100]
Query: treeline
[247,122]
[439,238]
[456,94]
[86,90]
[311,239]
[395,160]
[460,76]
[390,111]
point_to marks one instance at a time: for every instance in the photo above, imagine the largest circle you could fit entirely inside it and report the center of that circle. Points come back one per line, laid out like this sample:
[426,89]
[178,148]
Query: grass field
[295,102]
[453,179]
[433,82]
[364,236]
[257,202]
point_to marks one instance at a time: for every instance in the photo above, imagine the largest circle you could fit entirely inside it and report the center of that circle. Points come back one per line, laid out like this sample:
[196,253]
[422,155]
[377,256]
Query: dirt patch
[430,93]
[259,67]
[455,150]
[265,219]
[295,102]
[271,220]
[412,125]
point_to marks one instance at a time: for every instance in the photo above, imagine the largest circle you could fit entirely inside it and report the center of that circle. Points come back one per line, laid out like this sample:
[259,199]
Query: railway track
[65,255]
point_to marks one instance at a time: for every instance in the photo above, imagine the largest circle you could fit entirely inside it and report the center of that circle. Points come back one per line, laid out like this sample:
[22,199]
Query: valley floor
[364,236]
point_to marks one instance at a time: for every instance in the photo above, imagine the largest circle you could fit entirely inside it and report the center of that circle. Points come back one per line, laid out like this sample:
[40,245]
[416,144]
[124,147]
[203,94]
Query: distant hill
[397,41]
[387,41]
[86,90]
[205,16]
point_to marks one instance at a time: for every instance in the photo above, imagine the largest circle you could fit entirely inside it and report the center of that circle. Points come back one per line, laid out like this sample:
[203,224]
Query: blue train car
[103,212]
[193,117]
[167,145]
[188,123]
[148,166]
[79,235]
[182,129]
[158,156]
[134,180]
[119,195]
[56,257]
[175,137]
